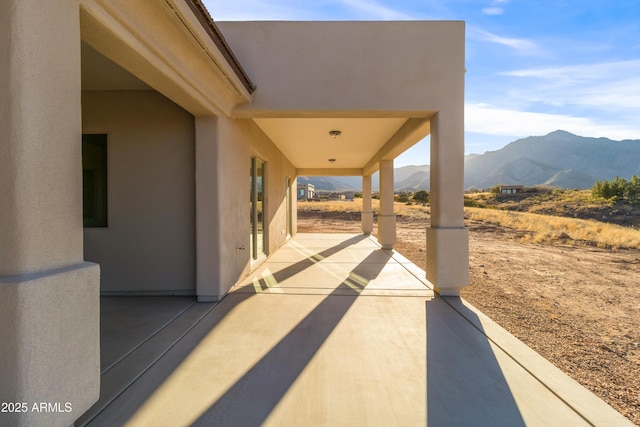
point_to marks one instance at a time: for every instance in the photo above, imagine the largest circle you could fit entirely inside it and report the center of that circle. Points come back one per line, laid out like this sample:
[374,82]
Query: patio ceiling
[362,143]
[308,145]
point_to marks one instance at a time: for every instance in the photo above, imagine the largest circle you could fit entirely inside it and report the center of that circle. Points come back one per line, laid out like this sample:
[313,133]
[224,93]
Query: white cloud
[609,86]
[252,10]
[615,95]
[580,72]
[492,11]
[494,8]
[491,120]
[373,9]
[521,46]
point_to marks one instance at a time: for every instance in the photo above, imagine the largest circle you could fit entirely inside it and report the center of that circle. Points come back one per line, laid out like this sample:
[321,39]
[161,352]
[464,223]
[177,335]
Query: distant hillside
[420,180]
[559,159]
[330,183]
[410,178]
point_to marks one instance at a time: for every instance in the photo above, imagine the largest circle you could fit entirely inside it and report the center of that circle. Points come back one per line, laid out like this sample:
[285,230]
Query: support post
[49,297]
[208,277]
[447,237]
[387,217]
[367,210]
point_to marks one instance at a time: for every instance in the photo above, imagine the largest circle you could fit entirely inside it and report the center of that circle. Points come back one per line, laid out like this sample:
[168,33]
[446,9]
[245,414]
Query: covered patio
[289,329]
[330,330]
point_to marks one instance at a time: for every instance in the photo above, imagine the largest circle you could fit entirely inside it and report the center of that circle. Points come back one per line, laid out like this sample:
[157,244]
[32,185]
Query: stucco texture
[149,244]
[355,67]
[239,141]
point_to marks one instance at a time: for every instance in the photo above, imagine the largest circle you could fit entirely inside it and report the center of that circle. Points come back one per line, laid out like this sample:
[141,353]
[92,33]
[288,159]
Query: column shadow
[254,396]
[298,267]
[180,350]
[465,383]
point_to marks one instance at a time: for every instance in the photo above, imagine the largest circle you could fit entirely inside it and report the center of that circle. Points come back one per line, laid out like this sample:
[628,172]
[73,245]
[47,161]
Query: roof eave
[201,13]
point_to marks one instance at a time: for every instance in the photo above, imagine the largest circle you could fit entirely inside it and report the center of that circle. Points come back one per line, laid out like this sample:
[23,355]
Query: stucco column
[387,217]
[447,237]
[49,297]
[207,210]
[367,210]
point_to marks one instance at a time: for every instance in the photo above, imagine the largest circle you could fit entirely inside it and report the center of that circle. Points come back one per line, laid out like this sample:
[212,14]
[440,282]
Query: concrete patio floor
[330,330]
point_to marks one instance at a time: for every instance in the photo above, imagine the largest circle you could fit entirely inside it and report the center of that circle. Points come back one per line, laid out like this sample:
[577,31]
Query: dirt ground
[579,306]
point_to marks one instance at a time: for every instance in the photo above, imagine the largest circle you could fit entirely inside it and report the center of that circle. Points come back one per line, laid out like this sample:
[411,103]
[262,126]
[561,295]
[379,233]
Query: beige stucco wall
[49,306]
[239,140]
[149,245]
[413,70]
[386,68]
[32,197]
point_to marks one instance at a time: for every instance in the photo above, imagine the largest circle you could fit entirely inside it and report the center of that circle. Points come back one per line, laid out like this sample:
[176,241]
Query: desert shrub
[633,189]
[421,196]
[403,197]
[618,189]
[474,203]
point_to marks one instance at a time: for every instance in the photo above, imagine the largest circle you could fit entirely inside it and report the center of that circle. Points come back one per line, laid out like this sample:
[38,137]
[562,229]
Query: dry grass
[552,229]
[535,228]
[335,206]
[355,206]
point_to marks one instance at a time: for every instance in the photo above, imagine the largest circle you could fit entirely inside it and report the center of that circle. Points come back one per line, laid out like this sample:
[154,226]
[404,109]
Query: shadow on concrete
[298,267]
[305,338]
[127,322]
[254,396]
[465,383]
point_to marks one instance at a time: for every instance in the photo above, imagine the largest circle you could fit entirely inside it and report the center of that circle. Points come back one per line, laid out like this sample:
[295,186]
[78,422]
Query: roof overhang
[379,83]
[173,47]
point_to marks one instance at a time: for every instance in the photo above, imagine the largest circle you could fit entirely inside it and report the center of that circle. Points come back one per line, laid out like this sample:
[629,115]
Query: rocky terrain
[578,305]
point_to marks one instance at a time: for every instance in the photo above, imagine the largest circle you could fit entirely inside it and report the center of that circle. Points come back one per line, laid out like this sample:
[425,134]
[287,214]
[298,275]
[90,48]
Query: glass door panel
[260,208]
[256,208]
[252,223]
[288,202]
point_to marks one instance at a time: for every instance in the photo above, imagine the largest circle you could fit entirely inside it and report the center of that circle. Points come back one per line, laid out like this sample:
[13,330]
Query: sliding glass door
[288,202]
[256,205]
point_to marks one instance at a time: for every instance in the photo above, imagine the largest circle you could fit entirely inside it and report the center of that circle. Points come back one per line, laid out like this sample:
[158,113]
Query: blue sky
[533,66]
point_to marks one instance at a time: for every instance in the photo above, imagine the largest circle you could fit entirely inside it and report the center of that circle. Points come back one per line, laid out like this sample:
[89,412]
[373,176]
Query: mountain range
[559,159]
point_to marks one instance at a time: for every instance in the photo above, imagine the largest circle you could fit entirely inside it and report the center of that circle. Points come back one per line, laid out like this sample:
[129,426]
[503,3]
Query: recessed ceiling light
[335,133]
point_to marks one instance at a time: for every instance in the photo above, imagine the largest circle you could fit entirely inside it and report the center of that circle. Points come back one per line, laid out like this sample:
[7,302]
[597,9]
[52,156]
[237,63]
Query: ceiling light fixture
[335,133]
[332,160]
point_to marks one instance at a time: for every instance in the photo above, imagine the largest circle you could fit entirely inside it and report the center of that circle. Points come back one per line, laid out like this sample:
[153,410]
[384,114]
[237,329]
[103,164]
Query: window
[256,204]
[94,180]
[288,202]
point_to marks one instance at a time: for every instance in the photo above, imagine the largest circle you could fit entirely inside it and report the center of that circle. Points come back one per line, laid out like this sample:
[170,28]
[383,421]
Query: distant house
[511,189]
[337,196]
[306,192]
